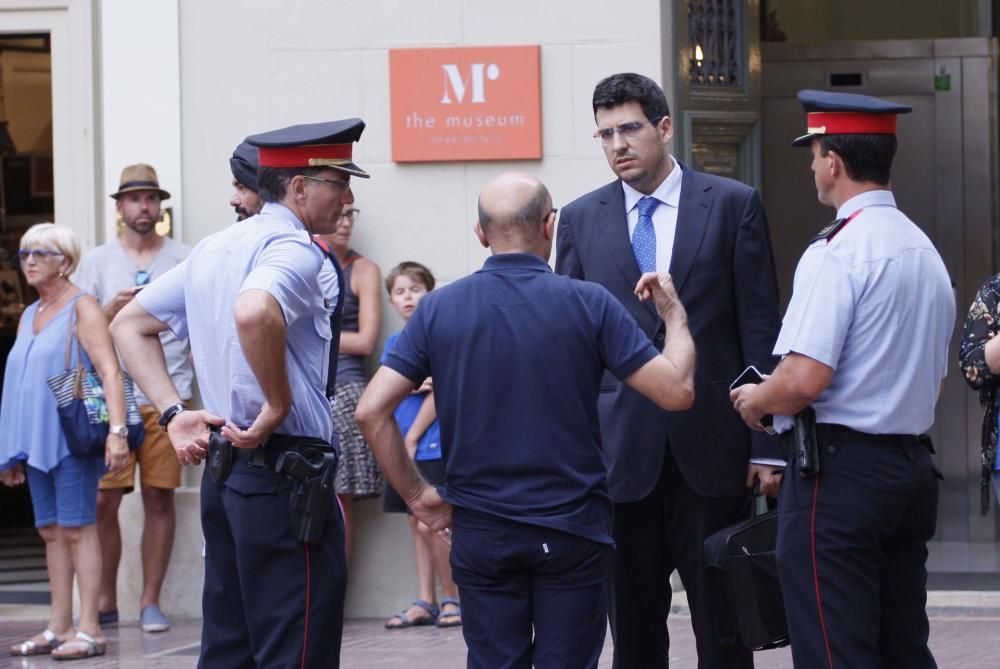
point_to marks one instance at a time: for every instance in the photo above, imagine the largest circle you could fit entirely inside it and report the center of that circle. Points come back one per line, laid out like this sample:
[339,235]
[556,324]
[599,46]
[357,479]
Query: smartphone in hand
[752,375]
[748,375]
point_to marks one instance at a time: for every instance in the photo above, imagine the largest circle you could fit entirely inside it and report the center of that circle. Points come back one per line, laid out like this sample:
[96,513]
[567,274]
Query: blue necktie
[644,236]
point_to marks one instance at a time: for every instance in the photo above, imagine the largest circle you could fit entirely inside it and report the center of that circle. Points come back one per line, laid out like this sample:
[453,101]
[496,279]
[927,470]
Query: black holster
[220,457]
[801,443]
[312,469]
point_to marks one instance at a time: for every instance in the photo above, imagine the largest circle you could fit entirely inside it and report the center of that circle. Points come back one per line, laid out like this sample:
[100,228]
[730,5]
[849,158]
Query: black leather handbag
[741,574]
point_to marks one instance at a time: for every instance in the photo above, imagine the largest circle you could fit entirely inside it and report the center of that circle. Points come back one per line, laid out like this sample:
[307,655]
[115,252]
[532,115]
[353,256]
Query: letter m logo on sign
[465,103]
[456,85]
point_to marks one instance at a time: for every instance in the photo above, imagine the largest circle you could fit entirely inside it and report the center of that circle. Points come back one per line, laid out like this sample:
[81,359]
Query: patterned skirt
[357,473]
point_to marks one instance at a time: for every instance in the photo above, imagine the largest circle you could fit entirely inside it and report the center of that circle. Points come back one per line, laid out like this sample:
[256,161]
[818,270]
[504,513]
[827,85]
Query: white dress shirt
[664,216]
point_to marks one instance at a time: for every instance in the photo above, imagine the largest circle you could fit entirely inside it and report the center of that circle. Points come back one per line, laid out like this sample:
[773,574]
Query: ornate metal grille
[715,31]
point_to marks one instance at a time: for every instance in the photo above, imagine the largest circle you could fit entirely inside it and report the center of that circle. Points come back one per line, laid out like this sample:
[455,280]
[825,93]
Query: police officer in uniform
[865,342]
[259,306]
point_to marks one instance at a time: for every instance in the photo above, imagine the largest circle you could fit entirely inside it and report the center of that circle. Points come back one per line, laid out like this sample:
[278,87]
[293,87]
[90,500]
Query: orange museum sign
[465,103]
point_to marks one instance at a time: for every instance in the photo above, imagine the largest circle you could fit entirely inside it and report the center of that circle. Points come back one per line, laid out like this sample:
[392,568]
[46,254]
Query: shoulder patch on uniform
[829,231]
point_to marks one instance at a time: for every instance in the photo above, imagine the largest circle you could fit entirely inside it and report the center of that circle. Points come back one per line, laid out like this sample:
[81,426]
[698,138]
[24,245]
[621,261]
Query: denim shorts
[67,494]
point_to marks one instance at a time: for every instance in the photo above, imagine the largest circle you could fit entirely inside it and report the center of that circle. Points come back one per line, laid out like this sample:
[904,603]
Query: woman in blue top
[416,416]
[63,486]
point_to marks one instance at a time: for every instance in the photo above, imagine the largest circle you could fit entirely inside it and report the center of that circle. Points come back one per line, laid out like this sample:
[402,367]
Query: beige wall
[283,63]
[140,108]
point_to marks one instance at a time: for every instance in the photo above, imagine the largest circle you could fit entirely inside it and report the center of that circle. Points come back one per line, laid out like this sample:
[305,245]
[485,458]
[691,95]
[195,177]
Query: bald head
[514,207]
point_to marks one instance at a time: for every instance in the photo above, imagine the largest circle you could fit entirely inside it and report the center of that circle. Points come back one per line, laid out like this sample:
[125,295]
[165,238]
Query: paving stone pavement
[960,639]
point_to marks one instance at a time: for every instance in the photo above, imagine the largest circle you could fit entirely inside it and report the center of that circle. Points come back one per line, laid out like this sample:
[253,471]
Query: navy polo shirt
[517,353]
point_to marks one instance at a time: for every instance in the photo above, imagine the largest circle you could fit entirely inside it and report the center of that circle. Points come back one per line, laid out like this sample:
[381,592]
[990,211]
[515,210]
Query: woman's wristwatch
[119,430]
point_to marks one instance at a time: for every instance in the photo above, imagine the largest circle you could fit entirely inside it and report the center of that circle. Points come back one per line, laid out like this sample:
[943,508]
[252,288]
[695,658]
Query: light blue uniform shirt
[876,305]
[272,252]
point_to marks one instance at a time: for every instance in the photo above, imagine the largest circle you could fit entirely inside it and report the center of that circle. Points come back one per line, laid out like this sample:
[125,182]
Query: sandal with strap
[80,646]
[404,620]
[29,647]
[450,618]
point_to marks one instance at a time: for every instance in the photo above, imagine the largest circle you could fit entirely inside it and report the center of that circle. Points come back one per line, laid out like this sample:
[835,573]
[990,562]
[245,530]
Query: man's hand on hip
[188,432]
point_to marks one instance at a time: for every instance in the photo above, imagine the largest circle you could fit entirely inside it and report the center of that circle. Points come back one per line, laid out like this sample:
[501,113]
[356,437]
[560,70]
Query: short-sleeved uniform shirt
[272,252]
[875,303]
[108,269]
[517,354]
[429,446]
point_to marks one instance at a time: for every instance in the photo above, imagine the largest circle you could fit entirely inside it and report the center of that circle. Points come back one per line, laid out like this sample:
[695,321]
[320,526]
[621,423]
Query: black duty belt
[831,433]
[267,454]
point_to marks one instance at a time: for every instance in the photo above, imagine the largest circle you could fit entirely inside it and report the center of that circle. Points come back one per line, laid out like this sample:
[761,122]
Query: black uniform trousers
[531,596]
[269,600]
[852,552]
[662,532]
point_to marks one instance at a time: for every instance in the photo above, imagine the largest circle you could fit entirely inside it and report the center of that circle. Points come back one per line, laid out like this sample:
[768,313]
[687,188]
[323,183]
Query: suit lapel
[614,233]
[692,222]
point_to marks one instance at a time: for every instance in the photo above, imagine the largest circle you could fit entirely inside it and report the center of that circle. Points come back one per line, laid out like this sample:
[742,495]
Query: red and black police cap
[326,144]
[829,113]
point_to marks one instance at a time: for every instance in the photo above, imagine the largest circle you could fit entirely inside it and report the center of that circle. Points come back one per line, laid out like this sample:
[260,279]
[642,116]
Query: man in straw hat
[865,346]
[261,303]
[114,273]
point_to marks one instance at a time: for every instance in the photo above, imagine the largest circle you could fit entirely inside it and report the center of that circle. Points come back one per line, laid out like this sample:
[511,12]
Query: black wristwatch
[169,414]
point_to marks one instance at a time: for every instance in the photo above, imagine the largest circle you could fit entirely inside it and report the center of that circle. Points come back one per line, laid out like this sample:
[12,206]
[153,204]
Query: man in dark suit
[675,478]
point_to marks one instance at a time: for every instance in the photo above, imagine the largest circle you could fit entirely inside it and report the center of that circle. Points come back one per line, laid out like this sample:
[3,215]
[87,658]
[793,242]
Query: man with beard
[114,273]
[246,196]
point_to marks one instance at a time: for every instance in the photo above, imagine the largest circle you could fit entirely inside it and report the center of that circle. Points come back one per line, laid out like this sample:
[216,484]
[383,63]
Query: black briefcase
[741,574]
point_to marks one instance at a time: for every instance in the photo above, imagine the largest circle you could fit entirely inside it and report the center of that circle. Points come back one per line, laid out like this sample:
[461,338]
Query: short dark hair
[414,270]
[866,157]
[630,87]
[272,182]
[526,221]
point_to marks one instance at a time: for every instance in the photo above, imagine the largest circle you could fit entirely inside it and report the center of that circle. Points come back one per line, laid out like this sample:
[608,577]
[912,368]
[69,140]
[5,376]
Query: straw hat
[139,177]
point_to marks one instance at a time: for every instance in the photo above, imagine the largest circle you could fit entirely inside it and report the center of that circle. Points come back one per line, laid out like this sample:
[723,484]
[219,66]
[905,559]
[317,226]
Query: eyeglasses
[336,182]
[627,130]
[351,214]
[552,212]
[38,254]
[142,277]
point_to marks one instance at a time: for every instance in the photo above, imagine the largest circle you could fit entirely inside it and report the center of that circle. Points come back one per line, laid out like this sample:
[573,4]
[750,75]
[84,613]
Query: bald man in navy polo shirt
[517,354]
